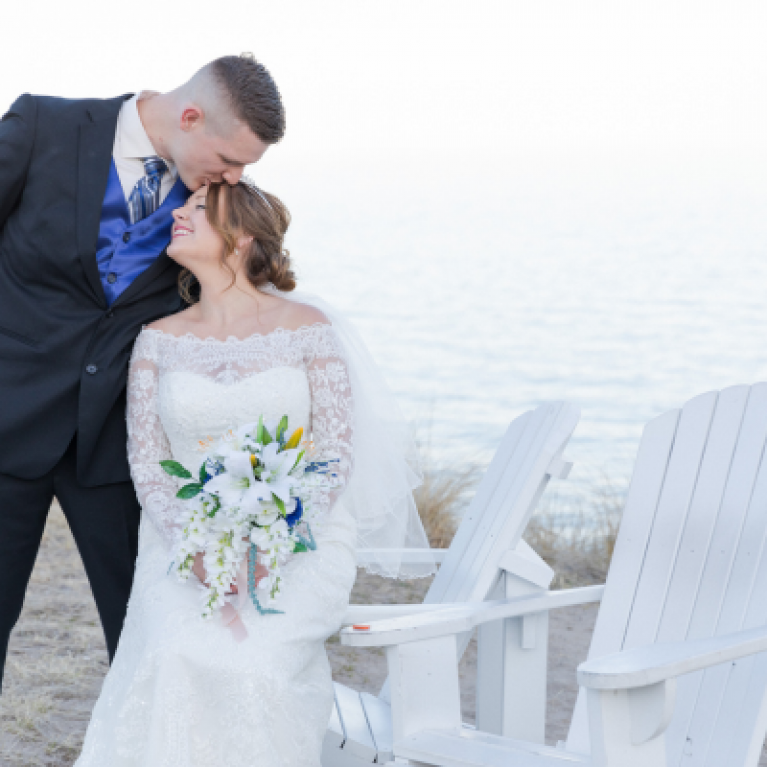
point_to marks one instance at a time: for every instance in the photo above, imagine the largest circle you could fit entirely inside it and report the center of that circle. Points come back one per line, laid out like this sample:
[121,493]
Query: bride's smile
[194,241]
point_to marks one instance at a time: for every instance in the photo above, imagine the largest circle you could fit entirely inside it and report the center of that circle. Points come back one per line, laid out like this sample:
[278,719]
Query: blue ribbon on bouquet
[320,467]
[310,544]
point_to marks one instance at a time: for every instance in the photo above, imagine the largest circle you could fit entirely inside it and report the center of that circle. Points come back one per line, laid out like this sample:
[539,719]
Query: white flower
[267,514]
[268,582]
[280,529]
[260,537]
[238,486]
[276,471]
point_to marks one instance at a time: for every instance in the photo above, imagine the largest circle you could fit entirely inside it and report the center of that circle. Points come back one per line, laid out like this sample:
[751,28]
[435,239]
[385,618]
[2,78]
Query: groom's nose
[232,175]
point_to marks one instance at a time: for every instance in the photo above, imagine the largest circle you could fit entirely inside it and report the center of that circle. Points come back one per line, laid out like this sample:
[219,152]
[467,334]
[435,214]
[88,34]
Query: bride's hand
[260,573]
[198,568]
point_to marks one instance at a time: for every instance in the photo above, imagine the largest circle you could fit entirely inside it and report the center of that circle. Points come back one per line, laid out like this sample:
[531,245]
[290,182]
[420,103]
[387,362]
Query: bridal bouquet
[251,498]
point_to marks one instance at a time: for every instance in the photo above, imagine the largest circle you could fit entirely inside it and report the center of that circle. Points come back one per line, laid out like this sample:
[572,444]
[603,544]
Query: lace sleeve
[332,421]
[147,441]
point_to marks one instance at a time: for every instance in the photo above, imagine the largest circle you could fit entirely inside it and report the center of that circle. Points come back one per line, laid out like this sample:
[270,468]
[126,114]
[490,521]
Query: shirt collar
[134,141]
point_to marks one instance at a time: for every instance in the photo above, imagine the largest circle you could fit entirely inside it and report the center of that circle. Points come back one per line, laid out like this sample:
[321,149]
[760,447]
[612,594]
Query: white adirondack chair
[677,671]
[487,551]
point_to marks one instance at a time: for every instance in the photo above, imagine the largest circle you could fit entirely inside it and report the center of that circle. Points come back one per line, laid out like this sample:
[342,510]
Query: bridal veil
[386,469]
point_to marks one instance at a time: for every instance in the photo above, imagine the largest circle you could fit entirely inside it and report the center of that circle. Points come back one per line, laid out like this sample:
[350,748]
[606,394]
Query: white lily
[276,471]
[238,485]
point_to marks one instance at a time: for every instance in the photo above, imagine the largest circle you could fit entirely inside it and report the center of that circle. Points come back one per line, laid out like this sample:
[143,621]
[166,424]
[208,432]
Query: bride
[183,690]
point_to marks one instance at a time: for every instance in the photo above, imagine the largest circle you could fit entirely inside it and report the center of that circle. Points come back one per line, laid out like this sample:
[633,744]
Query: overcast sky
[409,82]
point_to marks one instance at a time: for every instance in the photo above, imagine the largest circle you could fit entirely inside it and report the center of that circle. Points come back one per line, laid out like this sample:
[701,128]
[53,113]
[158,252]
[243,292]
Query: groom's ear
[192,117]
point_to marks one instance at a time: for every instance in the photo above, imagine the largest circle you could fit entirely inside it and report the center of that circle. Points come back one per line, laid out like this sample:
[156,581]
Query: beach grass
[56,661]
[442,498]
[575,532]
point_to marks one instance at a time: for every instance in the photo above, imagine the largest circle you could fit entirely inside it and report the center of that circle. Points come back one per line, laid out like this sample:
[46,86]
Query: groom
[86,193]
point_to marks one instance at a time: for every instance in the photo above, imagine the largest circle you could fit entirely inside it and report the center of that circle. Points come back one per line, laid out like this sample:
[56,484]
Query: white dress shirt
[131,145]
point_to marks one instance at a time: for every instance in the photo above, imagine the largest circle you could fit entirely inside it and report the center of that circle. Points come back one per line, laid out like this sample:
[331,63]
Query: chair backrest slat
[628,556]
[635,531]
[718,466]
[749,677]
[477,508]
[670,515]
[503,503]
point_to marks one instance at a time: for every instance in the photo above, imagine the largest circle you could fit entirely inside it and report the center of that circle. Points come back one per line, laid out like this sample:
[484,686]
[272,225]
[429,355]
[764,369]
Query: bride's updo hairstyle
[243,210]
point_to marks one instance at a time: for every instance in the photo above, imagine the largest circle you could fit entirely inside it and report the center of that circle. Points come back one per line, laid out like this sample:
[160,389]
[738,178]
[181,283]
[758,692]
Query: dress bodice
[185,391]
[195,409]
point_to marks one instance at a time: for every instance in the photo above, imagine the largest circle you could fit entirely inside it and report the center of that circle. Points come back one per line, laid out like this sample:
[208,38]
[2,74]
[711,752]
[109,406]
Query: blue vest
[124,250]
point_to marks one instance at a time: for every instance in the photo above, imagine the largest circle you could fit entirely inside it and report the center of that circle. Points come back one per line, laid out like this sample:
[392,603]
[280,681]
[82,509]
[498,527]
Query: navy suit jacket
[64,352]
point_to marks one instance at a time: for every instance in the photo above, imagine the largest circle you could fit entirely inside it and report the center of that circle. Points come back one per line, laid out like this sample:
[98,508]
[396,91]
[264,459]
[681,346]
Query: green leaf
[203,474]
[281,429]
[298,460]
[175,469]
[262,435]
[299,547]
[260,430]
[189,491]
[280,504]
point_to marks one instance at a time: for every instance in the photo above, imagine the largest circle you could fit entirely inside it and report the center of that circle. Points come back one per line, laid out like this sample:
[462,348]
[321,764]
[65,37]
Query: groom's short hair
[253,95]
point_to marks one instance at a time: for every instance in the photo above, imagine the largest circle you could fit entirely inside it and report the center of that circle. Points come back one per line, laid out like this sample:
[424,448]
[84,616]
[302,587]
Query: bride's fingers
[260,573]
[199,569]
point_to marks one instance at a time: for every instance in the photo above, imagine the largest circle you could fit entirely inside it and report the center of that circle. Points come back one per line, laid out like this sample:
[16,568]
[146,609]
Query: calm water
[481,297]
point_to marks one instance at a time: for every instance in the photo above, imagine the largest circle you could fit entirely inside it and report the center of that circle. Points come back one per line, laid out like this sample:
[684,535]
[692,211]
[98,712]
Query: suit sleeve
[17,132]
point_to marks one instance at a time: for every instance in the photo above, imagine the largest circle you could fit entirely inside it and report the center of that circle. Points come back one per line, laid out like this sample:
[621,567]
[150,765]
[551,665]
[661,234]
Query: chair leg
[512,657]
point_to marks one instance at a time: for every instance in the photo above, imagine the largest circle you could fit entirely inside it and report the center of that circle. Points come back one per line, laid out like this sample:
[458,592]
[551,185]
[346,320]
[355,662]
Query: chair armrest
[457,620]
[365,614]
[650,664]
[411,556]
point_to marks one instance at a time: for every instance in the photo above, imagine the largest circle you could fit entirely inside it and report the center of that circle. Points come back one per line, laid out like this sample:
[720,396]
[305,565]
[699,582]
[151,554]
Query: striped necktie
[145,197]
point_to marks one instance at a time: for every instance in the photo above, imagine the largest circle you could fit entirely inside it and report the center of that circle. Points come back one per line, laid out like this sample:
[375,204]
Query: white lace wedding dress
[181,691]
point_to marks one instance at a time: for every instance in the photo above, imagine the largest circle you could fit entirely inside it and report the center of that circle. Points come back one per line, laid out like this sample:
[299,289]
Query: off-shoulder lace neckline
[189,336]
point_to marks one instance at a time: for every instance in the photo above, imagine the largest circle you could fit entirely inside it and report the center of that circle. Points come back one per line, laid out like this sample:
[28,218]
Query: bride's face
[194,241]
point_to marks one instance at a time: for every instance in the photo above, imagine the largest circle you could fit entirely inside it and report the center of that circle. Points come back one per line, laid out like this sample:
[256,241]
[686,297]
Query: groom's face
[206,154]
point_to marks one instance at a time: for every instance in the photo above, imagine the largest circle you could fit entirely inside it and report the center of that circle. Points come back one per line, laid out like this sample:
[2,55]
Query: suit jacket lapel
[97,135]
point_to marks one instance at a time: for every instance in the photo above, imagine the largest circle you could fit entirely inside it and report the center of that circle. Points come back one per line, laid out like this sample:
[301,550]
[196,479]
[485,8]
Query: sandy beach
[57,658]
